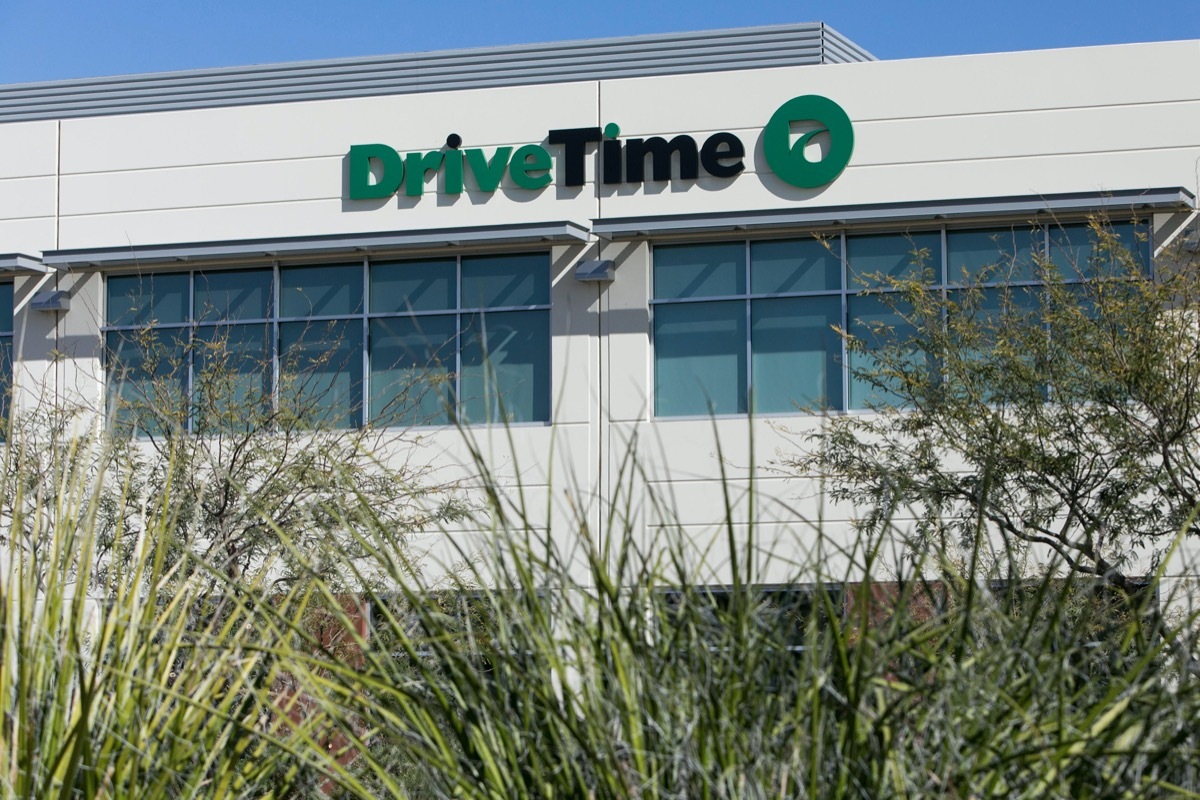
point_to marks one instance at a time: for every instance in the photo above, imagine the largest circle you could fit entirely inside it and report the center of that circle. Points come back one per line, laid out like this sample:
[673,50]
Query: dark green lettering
[359,166]
[488,173]
[416,165]
[527,159]
[452,170]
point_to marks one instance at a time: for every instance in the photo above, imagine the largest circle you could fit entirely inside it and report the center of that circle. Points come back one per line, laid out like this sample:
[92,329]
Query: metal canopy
[315,245]
[1163,199]
[19,262]
[1177,198]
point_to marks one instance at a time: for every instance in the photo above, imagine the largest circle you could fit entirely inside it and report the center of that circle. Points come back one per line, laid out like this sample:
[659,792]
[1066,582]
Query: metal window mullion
[366,362]
[749,342]
[1048,259]
[846,324]
[276,291]
[1006,284]
[458,339]
[791,295]
[652,362]
[157,326]
[1151,272]
[716,297]
[189,418]
[1044,293]
[320,318]
[440,312]
[105,360]
[474,309]
[945,260]
[944,292]
[698,299]
[551,411]
[220,322]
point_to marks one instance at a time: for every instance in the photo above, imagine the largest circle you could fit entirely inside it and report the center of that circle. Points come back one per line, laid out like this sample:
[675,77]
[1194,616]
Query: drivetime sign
[378,171]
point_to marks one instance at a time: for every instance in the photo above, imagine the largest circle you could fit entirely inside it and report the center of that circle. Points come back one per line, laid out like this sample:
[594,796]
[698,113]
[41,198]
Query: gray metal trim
[314,245]
[1156,199]
[446,70]
[846,51]
[835,53]
[595,271]
[51,301]
[19,262]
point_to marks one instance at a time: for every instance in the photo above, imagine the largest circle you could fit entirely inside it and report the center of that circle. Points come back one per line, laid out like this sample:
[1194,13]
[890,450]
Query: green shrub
[548,668]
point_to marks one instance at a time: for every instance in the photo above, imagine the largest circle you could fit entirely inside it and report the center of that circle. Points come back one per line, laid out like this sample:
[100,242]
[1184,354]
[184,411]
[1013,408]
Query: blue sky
[56,39]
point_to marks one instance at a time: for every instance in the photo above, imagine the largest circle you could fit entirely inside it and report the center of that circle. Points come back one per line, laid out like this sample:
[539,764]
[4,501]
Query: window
[1101,629]
[783,615]
[731,316]
[6,346]
[419,342]
[490,635]
[741,326]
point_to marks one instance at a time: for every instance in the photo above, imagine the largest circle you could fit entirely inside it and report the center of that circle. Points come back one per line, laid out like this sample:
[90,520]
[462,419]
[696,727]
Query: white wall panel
[914,182]
[308,217]
[626,326]
[1037,175]
[284,182]
[195,187]
[689,449]
[537,454]
[916,88]
[30,236]
[777,553]
[1126,128]
[1129,130]
[23,198]
[772,499]
[28,149]
[411,122]
[574,369]
[445,554]
[292,153]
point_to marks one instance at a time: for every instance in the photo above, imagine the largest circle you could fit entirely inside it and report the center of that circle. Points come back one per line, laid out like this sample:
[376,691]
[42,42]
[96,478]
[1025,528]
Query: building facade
[569,247]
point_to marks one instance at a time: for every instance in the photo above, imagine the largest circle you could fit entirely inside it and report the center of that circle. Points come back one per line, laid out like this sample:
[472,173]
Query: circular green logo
[788,160]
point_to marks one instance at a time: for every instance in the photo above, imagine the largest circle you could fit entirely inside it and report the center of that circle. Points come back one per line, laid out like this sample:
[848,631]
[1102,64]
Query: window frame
[748,298]
[799,595]
[1041,232]
[461,598]
[8,361]
[364,315]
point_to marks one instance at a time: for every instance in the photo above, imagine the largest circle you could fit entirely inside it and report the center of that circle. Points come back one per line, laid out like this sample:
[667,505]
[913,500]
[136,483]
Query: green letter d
[390,177]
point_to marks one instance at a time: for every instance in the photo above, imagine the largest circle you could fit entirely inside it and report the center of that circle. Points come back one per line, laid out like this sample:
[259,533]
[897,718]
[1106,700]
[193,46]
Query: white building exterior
[251,169]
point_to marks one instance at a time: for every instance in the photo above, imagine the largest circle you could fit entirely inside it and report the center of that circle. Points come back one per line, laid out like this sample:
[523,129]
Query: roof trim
[1177,198]
[445,70]
[19,262]
[158,254]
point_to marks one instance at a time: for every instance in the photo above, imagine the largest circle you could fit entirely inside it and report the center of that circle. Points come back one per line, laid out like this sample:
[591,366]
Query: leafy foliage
[127,682]
[1063,415]
[233,460]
